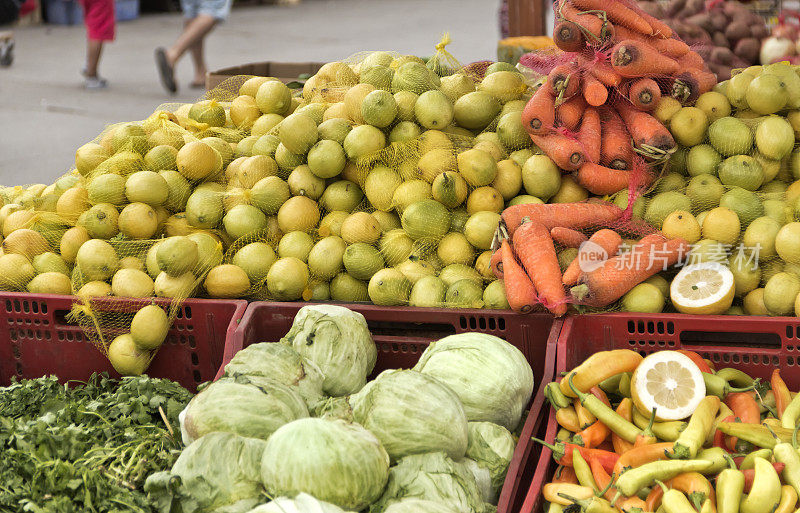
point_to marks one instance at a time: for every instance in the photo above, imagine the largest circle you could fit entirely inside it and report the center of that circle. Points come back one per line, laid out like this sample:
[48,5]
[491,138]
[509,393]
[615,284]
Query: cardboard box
[284,71]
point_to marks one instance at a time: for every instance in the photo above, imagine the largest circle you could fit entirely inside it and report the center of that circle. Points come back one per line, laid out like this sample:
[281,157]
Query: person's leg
[94,49]
[199,61]
[193,33]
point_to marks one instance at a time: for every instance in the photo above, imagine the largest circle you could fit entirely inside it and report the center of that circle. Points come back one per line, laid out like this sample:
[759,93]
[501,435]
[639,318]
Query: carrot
[646,130]
[602,180]
[601,69]
[691,60]
[595,29]
[617,13]
[670,47]
[538,256]
[565,151]
[594,92]
[496,264]
[570,112]
[539,114]
[692,83]
[634,59]
[660,29]
[616,151]
[578,216]
[567,237]
[520,293]
[605,244]
[590,134]
[644,94]
[568,37]
[617,275]
[564,80]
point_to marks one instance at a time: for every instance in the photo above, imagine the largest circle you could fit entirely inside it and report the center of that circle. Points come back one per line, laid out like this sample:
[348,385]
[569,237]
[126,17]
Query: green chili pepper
[735,376]
[606,415]
[791,413]
[718,458]
[593,505]
[633,480]
[729,486]
[674,501]
[555,396]
[787,454]
[694,436]
[749,460]
[668,431]
[765,494]
[555,508]
[625,385]
[715,385]
[611,385]
[583,472]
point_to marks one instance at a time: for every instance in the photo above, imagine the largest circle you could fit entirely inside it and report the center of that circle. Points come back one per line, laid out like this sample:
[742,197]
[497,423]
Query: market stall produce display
[670,432]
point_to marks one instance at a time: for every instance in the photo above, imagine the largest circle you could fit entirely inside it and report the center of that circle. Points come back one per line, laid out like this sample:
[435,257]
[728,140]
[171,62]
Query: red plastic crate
[36,340]
[755,345]
[402,334]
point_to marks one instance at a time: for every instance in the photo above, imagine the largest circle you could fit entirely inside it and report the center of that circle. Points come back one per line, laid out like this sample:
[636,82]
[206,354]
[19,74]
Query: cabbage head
[434,477]
[253,407]
[492,447]
[303,503]
[483,478]
[419,506]
[333,460]
[339,342]
[492,377]
[281,363]
[412,413]
[220,470]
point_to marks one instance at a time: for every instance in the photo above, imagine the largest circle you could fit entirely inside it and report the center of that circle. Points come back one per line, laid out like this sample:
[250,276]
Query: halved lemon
[670,382]
[706,288]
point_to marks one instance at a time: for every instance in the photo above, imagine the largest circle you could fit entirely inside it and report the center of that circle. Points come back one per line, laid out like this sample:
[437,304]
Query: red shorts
[99,18]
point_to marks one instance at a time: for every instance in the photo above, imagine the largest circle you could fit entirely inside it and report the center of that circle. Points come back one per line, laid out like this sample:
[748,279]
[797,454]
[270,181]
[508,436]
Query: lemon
[670,383]
[780,293]
[746,273]
[682,224]
[644,297]
[753,303]
[722,225]
[706,288]
[761,235]
[660,282]
[787,243]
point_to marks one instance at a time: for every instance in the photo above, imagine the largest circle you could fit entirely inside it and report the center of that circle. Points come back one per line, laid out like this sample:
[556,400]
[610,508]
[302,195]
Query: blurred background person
[98,15]
[201,18]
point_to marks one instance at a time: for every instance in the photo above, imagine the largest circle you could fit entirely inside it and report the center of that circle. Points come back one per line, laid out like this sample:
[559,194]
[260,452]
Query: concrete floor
[45,114]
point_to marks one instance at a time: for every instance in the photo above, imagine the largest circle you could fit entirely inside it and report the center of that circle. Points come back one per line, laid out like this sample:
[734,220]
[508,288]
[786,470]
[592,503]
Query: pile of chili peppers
[737,453]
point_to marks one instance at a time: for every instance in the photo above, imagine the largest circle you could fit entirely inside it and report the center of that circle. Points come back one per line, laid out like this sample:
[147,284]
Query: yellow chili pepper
[568,419]
[551,492]
[599,367]
[692,438]
[765,495]
[788,500]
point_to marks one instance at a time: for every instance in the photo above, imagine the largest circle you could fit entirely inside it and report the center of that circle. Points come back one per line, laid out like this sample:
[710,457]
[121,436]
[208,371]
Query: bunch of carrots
[525,255]
[736,453]
[616,64]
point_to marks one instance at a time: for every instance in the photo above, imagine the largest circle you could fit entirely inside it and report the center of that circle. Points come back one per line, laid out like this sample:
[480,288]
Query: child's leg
[100,25]
[193,32]
[198,58]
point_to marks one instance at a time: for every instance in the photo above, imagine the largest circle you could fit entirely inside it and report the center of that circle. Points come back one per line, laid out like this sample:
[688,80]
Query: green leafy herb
[88,447]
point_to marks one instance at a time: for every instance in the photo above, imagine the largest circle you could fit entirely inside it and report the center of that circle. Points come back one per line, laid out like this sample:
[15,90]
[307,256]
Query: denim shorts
[217,9]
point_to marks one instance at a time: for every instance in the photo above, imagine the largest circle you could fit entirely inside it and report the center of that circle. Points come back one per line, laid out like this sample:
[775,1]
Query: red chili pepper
[602,479]
[719,436]
[781,391]
[745,408]
[562,453]
[565,475]
[750,474]
[653,500]
[697,359]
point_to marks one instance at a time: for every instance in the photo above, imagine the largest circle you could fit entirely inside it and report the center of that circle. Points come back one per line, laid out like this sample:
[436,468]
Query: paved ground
[45,114]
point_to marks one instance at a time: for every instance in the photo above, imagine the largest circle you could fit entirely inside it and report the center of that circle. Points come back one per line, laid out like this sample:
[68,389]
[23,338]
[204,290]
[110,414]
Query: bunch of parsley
[87,447]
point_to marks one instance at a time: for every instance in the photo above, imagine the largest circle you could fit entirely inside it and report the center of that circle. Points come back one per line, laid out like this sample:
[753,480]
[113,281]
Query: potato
[722,55]
[737,30]
[748,49]
[720,39]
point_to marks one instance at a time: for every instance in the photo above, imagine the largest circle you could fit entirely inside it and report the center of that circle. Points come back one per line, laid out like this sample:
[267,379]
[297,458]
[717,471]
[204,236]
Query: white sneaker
[95,83]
